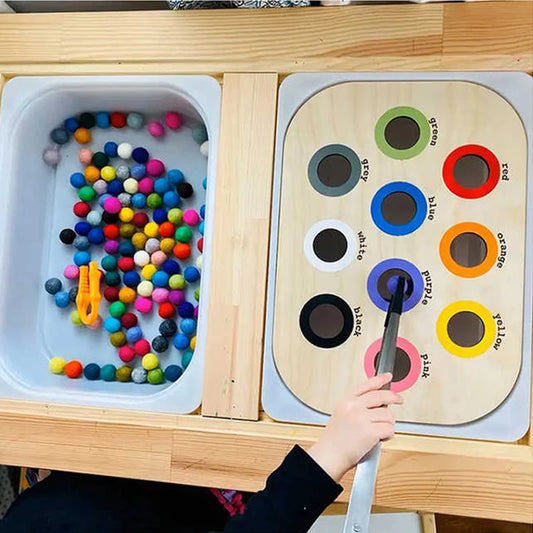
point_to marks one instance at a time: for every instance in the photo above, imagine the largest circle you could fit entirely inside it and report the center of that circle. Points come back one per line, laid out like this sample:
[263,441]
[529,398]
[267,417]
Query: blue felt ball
[115,187]
[191,274]
[82,258]
[103,198]
[131,278]
[201,227]
[92,370]
[171,199]
[173,372]
[62,299]
[161,185]
[186,358]
[175,176]
[138,200]
[82,228]
[72,293]
[138,171]
[204,183]
[160,215]
[102,119]
[168,328]
[188,326]
[171,267]
[181,341]
[77,180]
[134,334]
[127,248]
[160,279]
[110,148]
[81,243]
[72,124]
[186,310]
[53,285]
[112,324]
[140,155]
[96,236]
[59,135]
[202,211]
[108,372]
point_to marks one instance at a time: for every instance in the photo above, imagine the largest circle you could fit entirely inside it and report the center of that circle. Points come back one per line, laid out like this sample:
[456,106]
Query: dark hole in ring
[402,365]
[330,245]
[402,132]
[384,278]
[334,170]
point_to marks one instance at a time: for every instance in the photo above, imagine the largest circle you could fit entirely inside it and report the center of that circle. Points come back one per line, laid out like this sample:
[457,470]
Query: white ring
[345,260]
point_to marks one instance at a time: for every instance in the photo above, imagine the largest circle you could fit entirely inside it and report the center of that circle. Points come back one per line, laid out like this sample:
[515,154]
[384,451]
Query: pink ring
[413,354]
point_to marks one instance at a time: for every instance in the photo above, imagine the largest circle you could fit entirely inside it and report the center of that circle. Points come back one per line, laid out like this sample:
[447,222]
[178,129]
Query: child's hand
[358,423]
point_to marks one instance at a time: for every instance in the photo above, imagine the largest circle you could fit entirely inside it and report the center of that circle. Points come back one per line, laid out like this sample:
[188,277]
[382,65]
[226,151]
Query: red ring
[476,192]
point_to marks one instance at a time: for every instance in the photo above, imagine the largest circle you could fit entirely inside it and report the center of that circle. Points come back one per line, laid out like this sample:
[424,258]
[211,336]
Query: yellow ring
[474,307]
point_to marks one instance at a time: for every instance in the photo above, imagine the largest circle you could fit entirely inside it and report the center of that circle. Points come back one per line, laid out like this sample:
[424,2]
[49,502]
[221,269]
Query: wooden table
[231,443]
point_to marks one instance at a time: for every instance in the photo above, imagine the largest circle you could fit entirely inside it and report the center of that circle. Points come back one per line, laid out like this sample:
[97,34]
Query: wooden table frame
[231,443]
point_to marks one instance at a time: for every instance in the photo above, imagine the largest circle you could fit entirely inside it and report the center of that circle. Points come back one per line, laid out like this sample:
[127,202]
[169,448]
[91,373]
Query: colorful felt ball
[112,231]
[171,267]
[71,272]
[117,119]
[112,279]
[96,236]
[126,353]
[160,295]
[124,373]
[131,186]
[204,183]
[52,156]
[72,124]
[127,295]
[160,215]
[92,371]
[75,318]
[87,120]
[155,167]
[200,244]
[199,134]
[139,375]
[145,288]
[139,240]
[112,324]
[154,200]
[112,205]
[117,309]
[72,294]
[181,341]
[82,228]
[134,334]
[118,338]
[140,155]
[175,215]
[94,218]
[155,128]
[108,218]
[167,310]
[188,326]
[182,250]
[175,176]
[67,236]
[201,227]
[111,246]
[127,248]
[140,220]
[143,305]
[57,364]
[184,189]
[186,358]
[81,243]
[128,320]
[193,343]
[127,230]
[107,372]
[159,344]
[152,245]
[138,171]
[125,198]
[173,120]
[82,258]
[186,310]
[171,199]
[81,209]
[173,372]
[161,185]
[99,159]
[102,119]
[168,328]
[151,229]
[110,148]
[141,258]
[204,148]
[77,180]
[160,278]
[108,173]
[53,286]
[176,281]
[148,271]
[141,347]
[155,376]
[146,186]
[191,274]
[96,324]
[150,361]
[197,294]
[111,294]
[123,172]
[135,121]
[183,234]
[82,136]
[73,369]
[131,279]
[124,150]
[167,245]
[166,229]
[158,258]
[176,296]
[126,263]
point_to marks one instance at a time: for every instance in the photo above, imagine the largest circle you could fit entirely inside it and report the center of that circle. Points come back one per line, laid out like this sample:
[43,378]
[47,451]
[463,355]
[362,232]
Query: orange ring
[460,270]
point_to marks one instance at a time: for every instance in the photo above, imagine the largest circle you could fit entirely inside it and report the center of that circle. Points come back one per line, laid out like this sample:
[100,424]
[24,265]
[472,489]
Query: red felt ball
[140,220]
[166,229]
[112,231]
[128,320]
[81,209]
[166,310]
[200,244]
[126,353]
[111,294]
[141,347]
[117,119]
[126,263]
[182,250]
[73,369]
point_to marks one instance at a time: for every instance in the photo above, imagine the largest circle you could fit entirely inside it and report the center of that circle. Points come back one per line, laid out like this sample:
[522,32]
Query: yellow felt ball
[57,364]
[175,215]
[127,230]
[167,245]
[151,229]
[91,173]
[148,271]
[193,343]
[126,214]
[75,318]
[150,361]
[176,281]
[127,295]
[123,373]
[108,173]
[139,240]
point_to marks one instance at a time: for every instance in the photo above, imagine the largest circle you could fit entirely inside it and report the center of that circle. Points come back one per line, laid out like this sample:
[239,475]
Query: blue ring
[403,229]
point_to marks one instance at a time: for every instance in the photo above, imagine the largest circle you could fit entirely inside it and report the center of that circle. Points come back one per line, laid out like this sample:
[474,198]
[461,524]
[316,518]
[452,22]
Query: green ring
[402,111]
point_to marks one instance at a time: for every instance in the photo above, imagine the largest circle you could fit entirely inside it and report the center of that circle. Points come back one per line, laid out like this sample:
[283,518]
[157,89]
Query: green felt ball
[107,372]
[154,200]
[197,294]
[117,309]
[112,279]
[109,262]
[86,193]
[199,134]
[155,376]
[186,358]
[183,234]
[123,373]
[135,121]
[118,338]
[100,159]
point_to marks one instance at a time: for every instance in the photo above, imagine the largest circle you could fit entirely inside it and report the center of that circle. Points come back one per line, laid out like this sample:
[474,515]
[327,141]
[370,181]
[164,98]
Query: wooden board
[449,388]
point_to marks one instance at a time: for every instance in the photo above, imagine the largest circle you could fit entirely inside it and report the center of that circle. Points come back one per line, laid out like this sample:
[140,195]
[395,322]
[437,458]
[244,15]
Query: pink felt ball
[96,324]
[71,272]
[156,128]
[173,120]
[158,258]
[191,217]
[155,167]
[146,186]
[176,297]
[160,295]
[112,205]
[111,246]
[85,155]
[143,305]
[126,353]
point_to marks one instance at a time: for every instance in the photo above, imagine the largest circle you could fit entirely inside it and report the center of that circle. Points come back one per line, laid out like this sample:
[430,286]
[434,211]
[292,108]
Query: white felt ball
[124,150]
[131,185]
[199,261]
[204,148]
[141,258]
[145,288]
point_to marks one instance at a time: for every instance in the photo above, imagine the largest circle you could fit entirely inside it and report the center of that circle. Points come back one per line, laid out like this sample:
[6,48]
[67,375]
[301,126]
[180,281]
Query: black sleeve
[294,497]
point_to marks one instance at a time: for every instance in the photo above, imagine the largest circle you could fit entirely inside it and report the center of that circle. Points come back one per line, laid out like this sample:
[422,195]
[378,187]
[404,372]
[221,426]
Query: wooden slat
[240,246]
[428,523]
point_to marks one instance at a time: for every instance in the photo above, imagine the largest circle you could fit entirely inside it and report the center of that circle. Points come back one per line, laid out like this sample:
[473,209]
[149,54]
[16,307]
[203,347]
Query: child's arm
[307,482]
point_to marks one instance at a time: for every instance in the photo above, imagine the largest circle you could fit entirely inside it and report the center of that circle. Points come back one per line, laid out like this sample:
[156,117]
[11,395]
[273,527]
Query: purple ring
[388,264]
